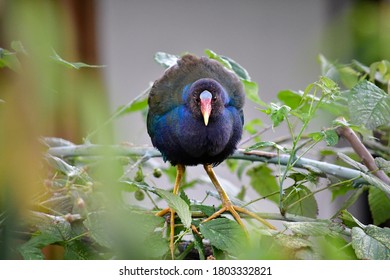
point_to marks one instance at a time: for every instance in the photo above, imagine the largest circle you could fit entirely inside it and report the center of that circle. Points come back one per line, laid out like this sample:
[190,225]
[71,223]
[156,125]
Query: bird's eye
[197,99]
[214,98]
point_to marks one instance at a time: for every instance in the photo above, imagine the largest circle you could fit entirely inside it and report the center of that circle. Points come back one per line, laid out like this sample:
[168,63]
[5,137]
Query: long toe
[163,212]
[228,207]
[172,234]
[171,228]
[253,215]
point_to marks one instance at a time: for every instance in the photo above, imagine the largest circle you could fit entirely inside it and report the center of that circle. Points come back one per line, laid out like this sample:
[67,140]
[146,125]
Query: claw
[228,206]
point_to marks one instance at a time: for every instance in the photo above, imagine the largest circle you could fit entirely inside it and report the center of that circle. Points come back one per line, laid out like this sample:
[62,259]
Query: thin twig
[244,141]
[362,152]
[255,156]
[317,191]
[374,145]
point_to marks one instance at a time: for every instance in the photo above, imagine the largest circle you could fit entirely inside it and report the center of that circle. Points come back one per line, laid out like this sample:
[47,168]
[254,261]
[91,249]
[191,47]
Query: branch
[362,152]
[255,156]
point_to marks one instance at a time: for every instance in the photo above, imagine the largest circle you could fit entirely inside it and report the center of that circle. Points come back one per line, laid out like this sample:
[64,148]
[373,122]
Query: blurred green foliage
[39,96]
[359,30]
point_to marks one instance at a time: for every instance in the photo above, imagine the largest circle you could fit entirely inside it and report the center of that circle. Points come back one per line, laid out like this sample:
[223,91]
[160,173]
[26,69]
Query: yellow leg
[180,169]
[227,205]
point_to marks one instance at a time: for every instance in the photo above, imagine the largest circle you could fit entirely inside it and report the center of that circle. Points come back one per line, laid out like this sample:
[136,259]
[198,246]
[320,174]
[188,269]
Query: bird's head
[206,99]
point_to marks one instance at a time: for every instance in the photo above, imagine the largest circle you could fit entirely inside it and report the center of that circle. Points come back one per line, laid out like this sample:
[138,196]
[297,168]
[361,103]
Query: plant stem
[90,150]
[317,191]
[260,198]
[362,152]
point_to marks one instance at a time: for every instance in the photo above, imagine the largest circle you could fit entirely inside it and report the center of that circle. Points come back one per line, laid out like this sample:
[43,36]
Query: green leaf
[213,55]
[328,69]
[252,92]
[328,86]
[198,244]
[178,204]
[170,172]
[79,250]
[64,167]
[128,186]
[51,231]
[364,69]
[320,228]
[380,71]
[309,228]
[330,136]
[380,234]
[237,68]
[298,200]
[348,76]
[73,65]
[95,223]
[348,220]
[338,72]
[156,246]
[251,88]
[376,182]
[224,234]
[341,189]
[253,126]
[379,205]
[383,164]
[293,242]
[290,98]
[342,122]
[369,105]
[131,231]
[165,59]
[136,105]
[9,60]
[32,249]
[372,243]
[265,144]
[205,209]
[131,186]
[229,64]
[232,164]
[277,113]
[333,247]
[264,182]
[59,229]
[141,225]
[298,176]
[185,198]
[242,193]
[316,136]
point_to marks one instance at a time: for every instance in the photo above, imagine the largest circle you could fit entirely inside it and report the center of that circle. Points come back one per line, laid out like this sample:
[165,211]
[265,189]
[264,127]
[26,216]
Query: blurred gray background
[276,41]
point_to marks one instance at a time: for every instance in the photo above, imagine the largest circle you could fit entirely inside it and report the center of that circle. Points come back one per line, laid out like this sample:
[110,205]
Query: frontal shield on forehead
[205,105]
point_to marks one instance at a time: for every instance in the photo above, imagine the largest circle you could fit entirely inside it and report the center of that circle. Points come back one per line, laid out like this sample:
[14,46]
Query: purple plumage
[195,112]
